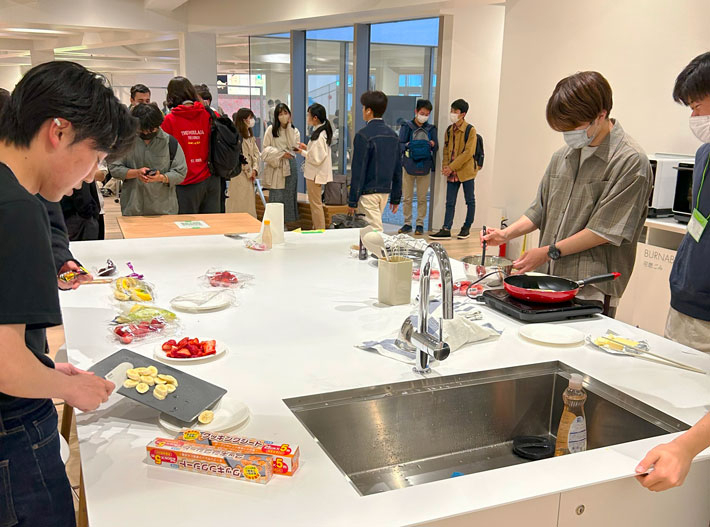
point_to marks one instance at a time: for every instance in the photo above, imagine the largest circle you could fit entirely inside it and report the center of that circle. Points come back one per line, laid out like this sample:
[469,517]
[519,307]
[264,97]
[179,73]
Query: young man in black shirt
[61,121]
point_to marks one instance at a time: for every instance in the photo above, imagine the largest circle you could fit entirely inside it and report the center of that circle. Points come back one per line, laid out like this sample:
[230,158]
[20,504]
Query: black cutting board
[192,396]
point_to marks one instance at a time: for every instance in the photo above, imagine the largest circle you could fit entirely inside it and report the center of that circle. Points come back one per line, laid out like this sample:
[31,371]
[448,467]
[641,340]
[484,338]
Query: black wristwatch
[553,252]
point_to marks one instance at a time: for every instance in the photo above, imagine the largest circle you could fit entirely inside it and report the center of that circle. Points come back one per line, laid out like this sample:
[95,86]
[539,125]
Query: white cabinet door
[539,512]
[625,503]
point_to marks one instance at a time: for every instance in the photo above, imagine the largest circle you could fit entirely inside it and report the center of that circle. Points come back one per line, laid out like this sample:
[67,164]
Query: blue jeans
[452,192]
[34,488]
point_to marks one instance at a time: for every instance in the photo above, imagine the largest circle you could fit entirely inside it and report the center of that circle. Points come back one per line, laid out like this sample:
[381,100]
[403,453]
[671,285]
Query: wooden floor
[457,249]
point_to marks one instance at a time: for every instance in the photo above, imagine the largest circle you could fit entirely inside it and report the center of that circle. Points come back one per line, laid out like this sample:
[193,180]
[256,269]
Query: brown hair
[240,117]
[578,99]
[180,89]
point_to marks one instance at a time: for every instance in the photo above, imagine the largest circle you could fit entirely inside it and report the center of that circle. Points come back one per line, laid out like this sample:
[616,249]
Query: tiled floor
[456,248]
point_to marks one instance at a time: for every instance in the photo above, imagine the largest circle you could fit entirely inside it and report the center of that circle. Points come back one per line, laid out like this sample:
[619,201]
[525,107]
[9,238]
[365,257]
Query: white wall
[9,76]
[639,46]
[470,70]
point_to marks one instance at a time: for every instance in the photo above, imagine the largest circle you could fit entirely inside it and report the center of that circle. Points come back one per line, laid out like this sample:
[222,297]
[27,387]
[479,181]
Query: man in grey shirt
[592,201]
[151,171]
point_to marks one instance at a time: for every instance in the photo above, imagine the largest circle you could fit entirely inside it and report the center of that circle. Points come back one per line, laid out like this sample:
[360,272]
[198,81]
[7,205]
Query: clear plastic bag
[204,301]
[143,322]
[226,278]
[129,289]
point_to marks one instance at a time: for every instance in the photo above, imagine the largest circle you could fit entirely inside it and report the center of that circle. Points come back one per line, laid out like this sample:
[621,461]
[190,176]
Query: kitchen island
[294,334]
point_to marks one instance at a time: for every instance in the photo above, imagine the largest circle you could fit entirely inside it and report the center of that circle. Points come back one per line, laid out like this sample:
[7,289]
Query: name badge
[696,225]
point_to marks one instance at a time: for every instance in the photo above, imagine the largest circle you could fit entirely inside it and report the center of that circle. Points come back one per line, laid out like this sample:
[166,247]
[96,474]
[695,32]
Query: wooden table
[166,226]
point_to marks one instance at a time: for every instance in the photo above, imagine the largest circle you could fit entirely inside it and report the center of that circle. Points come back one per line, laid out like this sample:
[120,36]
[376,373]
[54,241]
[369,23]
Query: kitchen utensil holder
[394,287]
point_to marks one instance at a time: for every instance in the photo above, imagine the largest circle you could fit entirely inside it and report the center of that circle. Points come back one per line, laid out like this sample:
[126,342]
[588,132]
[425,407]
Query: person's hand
[288,155]
[351,211]
[155,178]
[432,143]
[394,207]
[254,175]
[446,171]
[531,260]
[671,464]
[494,237]
[80,279]
[302,146]
[135,173]
[69,369]
[86,392]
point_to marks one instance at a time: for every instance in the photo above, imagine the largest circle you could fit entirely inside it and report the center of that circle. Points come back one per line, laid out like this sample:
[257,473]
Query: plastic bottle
[572,432]
[266,235]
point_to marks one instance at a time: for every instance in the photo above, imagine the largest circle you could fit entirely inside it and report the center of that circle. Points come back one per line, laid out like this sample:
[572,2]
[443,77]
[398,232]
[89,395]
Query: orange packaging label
[206,459]
[285,456]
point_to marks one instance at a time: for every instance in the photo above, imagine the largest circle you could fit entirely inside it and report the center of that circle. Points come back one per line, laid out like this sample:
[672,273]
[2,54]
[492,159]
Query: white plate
[203,301]
[557,334]
[228,415]
[159,354]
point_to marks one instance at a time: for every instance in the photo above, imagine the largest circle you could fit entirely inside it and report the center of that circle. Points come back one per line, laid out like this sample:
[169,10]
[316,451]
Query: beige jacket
[462,164]
[319,164]
[276,167]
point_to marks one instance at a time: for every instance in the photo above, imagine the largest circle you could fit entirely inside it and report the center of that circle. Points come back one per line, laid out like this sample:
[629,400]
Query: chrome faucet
[427,346]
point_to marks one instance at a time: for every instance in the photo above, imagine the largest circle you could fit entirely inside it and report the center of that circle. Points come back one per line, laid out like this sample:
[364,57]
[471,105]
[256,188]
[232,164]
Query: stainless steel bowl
[497,267]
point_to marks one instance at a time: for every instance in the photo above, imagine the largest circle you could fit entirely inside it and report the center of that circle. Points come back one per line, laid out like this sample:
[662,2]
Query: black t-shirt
[28,294]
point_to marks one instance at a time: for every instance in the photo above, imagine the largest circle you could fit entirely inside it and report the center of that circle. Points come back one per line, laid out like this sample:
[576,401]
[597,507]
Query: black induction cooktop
[501,301]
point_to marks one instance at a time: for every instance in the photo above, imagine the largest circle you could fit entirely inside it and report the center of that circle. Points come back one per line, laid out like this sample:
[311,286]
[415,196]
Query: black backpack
[479,155]
[225,147]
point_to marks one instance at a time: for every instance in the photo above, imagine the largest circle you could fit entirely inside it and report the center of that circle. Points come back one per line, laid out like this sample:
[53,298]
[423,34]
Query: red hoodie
[190,125]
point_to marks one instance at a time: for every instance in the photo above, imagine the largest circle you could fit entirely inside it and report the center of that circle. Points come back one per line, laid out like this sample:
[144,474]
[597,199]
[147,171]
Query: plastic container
[266,238]
[572,432]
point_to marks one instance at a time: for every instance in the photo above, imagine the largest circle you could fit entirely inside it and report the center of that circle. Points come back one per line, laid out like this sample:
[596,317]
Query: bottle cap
[267,222]
[575,381]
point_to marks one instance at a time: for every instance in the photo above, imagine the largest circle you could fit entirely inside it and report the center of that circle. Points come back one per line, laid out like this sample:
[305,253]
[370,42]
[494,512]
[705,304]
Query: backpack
[479,155]
[336,191]
[225,147]
[419,147]
[172,148]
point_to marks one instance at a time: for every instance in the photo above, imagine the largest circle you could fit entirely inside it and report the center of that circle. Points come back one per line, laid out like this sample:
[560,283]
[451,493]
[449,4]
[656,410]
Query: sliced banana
[161,389]
[148,380]
[142,387]
[170,387]
[130,383]
[168,378]
[206,417]
[133,375]
[152,371]
[160,381]
[143,371]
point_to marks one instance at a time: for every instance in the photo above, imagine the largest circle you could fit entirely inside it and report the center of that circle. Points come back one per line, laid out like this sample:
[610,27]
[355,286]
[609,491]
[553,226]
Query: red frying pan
[549,289]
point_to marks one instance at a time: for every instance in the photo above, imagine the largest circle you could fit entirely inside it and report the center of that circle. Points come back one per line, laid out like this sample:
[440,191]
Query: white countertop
[293,334]
[666,224]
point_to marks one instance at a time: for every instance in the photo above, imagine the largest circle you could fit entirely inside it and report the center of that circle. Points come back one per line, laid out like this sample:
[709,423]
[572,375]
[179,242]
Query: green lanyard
[700,190]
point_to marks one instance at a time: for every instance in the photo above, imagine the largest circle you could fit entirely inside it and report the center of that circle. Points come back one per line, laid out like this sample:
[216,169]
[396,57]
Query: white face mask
[284,118]
[700,126]
[454,117]
[578,138]
[421,119]
[251,123]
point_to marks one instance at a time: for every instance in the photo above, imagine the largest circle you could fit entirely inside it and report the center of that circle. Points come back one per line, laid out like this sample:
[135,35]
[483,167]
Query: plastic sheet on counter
[129,289]
[140,322]
[204,301]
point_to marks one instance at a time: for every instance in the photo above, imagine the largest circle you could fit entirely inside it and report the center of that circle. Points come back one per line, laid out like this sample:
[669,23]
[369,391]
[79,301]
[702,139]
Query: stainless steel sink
[398,435]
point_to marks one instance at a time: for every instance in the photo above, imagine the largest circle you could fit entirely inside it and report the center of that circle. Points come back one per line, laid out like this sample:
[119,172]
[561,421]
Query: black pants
[223,195]
[199,198]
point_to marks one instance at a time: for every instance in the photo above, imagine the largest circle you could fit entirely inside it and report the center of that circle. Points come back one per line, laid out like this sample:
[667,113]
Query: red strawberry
[126,339]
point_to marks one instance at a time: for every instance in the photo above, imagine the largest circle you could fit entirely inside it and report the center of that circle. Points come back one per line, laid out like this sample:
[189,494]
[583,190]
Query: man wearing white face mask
[592,201]
[689,317]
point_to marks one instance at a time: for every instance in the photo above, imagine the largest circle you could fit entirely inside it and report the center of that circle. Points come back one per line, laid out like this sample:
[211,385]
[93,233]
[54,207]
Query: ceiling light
[35,30]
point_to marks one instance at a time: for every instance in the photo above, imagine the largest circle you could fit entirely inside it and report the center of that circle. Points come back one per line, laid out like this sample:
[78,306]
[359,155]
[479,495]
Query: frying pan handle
[599,278]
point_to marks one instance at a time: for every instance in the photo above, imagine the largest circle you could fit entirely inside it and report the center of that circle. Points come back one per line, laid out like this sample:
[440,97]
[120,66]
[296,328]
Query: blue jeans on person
[452,192]
[34,488]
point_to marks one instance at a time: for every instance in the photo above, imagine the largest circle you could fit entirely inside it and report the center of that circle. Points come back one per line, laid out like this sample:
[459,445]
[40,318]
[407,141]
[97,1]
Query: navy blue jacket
[405,135]
[690,280]
[376,167]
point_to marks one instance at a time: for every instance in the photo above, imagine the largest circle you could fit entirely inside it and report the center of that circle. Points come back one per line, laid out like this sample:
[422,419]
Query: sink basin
[399,435]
